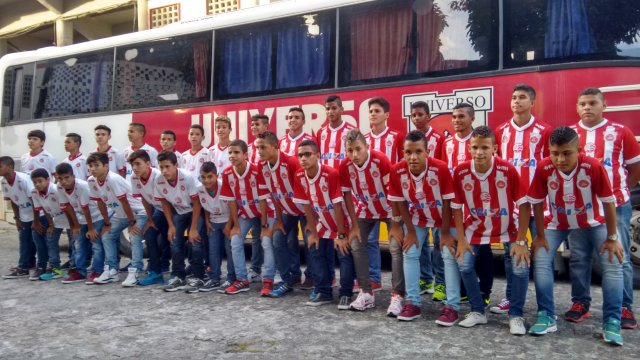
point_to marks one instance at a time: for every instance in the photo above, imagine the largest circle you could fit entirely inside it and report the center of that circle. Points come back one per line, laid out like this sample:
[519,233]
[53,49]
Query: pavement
[48,320]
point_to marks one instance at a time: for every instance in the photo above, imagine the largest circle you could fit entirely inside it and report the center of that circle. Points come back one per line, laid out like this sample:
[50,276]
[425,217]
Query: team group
[468,191]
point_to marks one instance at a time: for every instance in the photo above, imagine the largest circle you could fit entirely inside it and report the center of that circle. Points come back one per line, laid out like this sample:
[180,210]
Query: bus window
[16,99]
[553,31]
[79,84]
[394,40]
[163,72]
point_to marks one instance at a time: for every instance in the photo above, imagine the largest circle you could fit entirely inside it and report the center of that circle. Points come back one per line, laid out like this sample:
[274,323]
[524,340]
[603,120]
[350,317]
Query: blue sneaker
[611,332]
[280,290]
[312,294]
[151,279]
[319,299]
[52,274]
[544,324]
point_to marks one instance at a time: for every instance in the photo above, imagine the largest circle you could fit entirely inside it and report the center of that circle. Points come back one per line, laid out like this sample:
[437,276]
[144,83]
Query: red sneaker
[628,320]
[94,275]
[376,286]
[448,316]
[577,313]
[409,312]
[237,287]
[356,287]
[267,287]
[72,277]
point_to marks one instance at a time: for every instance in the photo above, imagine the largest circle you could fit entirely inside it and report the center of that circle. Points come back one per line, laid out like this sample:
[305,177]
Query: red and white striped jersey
[153,155]
[79,198]
[369,184]
[424,193]
[252,153]
[289,145]
[331,143]
[145,188]
[220,157]
[490,198]
[524,146]
[614,146]
[111,191]
[116,159]
[574,198]
[193,161]
[435,141]
[388,142]
[50,202]
[455,151]
[279,180]
[79,165]
[323,194]
[181,194]
[41,160]
[245,190]
[19,193]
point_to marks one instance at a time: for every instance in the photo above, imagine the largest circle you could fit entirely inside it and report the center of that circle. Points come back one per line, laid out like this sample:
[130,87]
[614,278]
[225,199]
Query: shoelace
[577,307]
[503,303]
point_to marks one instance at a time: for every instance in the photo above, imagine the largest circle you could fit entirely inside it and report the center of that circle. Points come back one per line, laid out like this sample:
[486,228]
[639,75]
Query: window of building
[18,90]
[164,15]
[221,6]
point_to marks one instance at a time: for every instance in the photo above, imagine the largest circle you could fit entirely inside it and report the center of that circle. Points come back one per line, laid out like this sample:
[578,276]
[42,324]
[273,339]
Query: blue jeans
[220,244]
[321,261]
[375,258]
[111,242]
[154,238]
[27,246]
[431,263]
[507,258]
[294,247]
[451,275]
[583,242]
[82,246]
[40,241]
[180,245]
[470,278]
[287,249]
[411,265]
[53,248]
[518,283]
[237,246]
[257,255]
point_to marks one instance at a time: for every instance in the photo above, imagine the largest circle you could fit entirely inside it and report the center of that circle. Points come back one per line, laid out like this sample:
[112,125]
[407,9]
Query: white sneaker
[516,326]
[363,302]
[395,307]
[254,277]
[108,276]
[472,319]
[132,278]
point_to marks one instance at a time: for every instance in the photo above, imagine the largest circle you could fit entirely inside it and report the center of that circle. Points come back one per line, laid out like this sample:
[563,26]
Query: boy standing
[168,142]
[259,124]
[290,141]
[193,158]
[76,159]
[220,150]
[37,157]
[330,137]
[136,135]
[116,160]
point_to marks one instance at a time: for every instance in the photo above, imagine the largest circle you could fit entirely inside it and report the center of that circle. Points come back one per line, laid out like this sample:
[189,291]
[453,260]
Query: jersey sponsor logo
[517,147]
[501,184]
[420,195]
[139,186]
[571,211]
[553,185]
[584,183]
[427,204]
[589,147]
[363,186]
[524,162]
[485,197]
[481,212]
[569,198]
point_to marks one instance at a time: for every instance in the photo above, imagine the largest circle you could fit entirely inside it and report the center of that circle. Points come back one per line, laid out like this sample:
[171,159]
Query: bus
[270,58]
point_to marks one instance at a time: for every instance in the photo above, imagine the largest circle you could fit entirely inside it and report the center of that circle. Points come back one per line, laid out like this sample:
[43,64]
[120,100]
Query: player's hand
[354,233]
[463,247]
[92,235]
[171,233]
[135,230]
[150,224]
[235,231]
[227,231]
[208,227]
[396,232]
[614,248]
[278,226]
[410,239]
[105,229]
[448,242]
[312,238]
[520,254]
[539,242]
[342,245]
[266,232]
[194,236]
[37,227]
[18,224]
[75,231]
[50,230]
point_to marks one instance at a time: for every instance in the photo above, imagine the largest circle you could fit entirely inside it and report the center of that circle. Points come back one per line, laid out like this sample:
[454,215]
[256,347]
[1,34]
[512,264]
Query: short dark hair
[140,127]
[354,135]
[333,98]
[526,88]
[241,144]
[98,157]
[165,155]
[380,101]
[7,161]
[483,132]
[260,117]
[63,169]
[467,107]
[592,91]
[310,143]
[75,137]
[171,132]
[298,110]
[421,104]
[39,173]
[415,136]
[208,167]
[139,154]
[197,126]
[563,135]
[270,137]
[103,127]
[37,133]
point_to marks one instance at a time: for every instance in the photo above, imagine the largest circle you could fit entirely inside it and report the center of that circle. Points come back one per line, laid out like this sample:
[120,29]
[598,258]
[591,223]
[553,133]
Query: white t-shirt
[218,209]
[145,188]
[80,198]
[153,155]
[19,192]
[50,202]
[111,191]
[181,194]
[220,157]
[43,160]
[116,159]
[79,165]
[192,162]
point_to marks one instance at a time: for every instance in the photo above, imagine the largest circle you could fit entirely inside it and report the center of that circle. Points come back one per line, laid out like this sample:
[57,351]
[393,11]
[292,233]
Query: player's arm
[74,224]
[633,175]
[341,244]
[105,215]
[167,209]
[233,218]
[133,228]
[354,233]
[613,246]
[149,210]
[194,235]
[92,234]
[16,215]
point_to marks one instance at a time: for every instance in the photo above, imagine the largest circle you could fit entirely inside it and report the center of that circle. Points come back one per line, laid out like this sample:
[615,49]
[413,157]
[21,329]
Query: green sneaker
[611,332]
[440,293]
[464,299]
[544,324]
[425,287]
[52,274]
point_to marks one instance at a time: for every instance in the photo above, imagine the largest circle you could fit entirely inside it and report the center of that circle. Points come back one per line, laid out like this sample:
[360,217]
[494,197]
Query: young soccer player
[116,159]
[615,146]
[490,188]
[289,143]
[220,150]
[330,137]
[420,118]
[421,190]
[113,192]
[583,212]
[177,189]
[248,208]
[259,124]
[76,159]
[168,142]
[317,188]
[16,188]
[136,135]
[193,158]
[37,157]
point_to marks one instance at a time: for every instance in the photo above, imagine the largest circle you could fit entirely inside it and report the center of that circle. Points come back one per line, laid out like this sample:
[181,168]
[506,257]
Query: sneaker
[544,324]
[237,287]
[92,277]
[356,286]
[628,320]
[224,286]
[376,286]
[439,293]
[395,306]
[72,277]
[151,279]
[175,284]
[107,276]
[209,285]
[307,284]
[611,332]
[280,290]
[448,316]
[254,277]
[16,273]
[464,299]
[516,326]
[363,301]
[66,266]
[35,275]
[52,274]
[319,299]
[312,294]
[125,268]
[472,319]
[132,278]
[193,285]
[501,308]
[577,313]
[267,287]
[409,312]
[426,288]
[344,302]
[487,301]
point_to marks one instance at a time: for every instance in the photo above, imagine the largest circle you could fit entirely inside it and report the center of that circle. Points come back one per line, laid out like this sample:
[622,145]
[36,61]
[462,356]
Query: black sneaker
[175,284]
[35,275]
[345,303]
[628,321]
[16,273]
[67,266]
[193,285]
[577,313]
[210,285]
[319,299]
[224,286]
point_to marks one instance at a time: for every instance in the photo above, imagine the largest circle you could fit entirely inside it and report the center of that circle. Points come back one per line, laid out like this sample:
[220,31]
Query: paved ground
[51,320]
